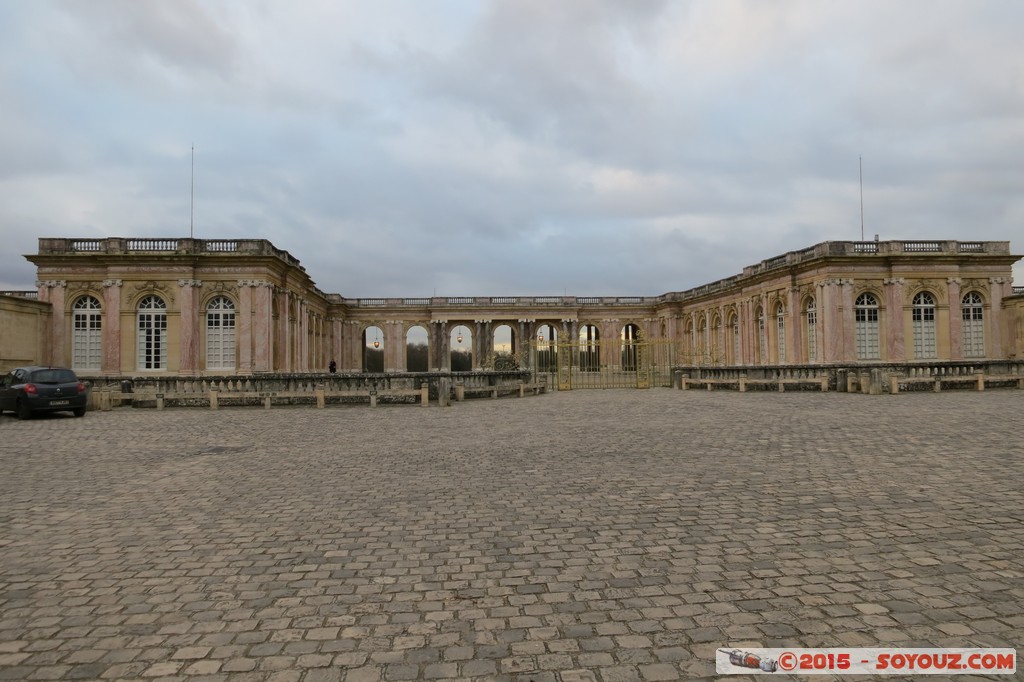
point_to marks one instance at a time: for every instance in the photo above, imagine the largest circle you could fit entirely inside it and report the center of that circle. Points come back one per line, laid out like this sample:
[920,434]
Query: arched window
[504,348]
[547,348]
[220,334]
[151,338]
[865,311]
[780,330]
[373,349]
[87,339]
[974,326]
[417,349]
[923,317]
[461,345]
[812,331]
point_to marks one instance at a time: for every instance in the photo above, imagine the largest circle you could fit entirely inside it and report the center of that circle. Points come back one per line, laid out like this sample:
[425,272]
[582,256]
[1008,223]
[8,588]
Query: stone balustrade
[310,389]
[876,378]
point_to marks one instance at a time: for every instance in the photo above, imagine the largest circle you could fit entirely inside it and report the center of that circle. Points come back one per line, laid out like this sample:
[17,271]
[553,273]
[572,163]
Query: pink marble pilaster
[795,350]
[337,325]
[262,327]
[994,337]
[830,321]
[53,292]
[244,327]
[111,362]
[849,347]
[956,320]
[895,343]
[189,326]
[286,332]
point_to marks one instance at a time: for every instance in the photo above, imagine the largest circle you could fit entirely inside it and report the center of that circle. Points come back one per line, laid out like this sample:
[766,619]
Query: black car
[42,389]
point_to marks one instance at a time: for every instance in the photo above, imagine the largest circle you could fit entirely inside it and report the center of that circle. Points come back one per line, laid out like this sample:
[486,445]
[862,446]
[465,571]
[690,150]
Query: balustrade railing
[152,244]
[87,245]
[221,245]
[922,247]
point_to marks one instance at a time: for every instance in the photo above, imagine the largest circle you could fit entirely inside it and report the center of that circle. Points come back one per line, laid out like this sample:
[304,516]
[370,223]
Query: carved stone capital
[190,282]
[953,280]
[112,283]
[51,283]
[894,280]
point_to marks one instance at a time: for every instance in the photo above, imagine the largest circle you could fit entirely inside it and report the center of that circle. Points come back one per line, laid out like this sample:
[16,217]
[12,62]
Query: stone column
[111,364]
[478,344]
[354,347]
[488,340]
[188,363]
[997,291]
[262,322]
[956,319]
[830,322]
[849,346]
[302,313]
[527,343]
[439,343]
[895,340]
[393,345]
[795,350]
[284,324]
[53,291]
[243,326]
[446,347]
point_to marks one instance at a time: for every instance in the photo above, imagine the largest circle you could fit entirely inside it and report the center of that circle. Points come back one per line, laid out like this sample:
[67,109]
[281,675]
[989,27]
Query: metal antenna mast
[860,160]
[192,203]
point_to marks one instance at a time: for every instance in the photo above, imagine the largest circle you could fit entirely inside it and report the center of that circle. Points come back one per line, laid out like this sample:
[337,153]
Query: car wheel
[79,411]
[24,411]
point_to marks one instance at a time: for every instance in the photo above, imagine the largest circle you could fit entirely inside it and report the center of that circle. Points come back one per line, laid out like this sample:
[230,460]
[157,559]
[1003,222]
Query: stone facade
[192,307]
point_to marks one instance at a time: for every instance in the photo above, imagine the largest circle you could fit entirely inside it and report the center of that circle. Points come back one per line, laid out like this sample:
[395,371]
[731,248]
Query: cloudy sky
[512,146]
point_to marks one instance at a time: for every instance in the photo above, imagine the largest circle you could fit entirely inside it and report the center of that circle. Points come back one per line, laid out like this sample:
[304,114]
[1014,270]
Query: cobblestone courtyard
[616,535]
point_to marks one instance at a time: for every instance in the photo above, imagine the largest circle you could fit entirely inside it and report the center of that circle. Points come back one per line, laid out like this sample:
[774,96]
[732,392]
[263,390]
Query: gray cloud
[511,147]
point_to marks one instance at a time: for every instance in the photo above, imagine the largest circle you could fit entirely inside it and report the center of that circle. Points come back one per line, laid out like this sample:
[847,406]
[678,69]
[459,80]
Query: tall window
[152,333]
[812,331]
[220,334]
[865,311]
[87,339]
[923,317]
[780,328]
[974,326]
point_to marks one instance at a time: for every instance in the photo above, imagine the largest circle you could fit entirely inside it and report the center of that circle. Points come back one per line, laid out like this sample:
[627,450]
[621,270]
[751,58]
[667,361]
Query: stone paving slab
[585,536]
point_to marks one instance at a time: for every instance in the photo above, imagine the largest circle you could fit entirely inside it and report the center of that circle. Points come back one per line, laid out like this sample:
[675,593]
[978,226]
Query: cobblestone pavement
[602,535]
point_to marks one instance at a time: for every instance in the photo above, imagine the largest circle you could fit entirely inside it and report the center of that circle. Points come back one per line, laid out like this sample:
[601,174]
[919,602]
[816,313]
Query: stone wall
[24,332]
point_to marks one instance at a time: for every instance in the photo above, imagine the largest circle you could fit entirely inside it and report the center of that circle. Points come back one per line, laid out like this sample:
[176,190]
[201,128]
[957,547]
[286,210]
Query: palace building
[209,307]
